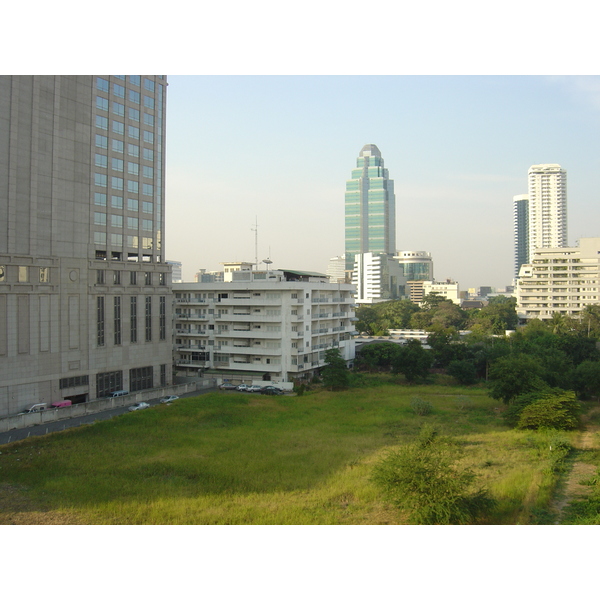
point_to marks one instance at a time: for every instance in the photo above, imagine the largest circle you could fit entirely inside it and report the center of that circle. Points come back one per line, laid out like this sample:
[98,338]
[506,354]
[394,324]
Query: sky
[277,151]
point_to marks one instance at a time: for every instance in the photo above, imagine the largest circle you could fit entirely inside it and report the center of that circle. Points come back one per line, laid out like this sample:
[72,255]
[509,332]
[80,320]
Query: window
[119,90]
[134,114]
[147,207]
[133,132]
[148,102]
[99,199]
[135,79]
[116,183]
[163,375]
[117,319]
[148,120]
[132,277]
[147,243]
[132,204]
[2,273]
[108,382]
[133,150]
[133,241]
[133,168]
[140,379]
[101,103]
[100,179]
[147,189]
[162,318]
[120,77]
[148,319]
[118,109]
[132,223]
[148,137]
[117,277]
[116,220]
[162,279]
[116,201]
[101,142]
[99,218]
[23,274]
[118,127]
[148,172]
[117,164]
[70,382]
[149,84]
[101,161]
[116,239]
[118,146]
[147,224]
[100,237]
[133,317]
[148,154]
[132,187]
[100,320]
[148,278]
[101,122]
[101,84]
[134,97]
[100,277]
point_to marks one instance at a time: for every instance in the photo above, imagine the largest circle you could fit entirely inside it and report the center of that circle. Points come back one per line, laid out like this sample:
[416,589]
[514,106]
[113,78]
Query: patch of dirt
[17,509]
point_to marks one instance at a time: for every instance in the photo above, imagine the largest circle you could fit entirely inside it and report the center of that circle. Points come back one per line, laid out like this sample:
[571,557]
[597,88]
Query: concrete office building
[560,280]
[377,278]
[85,302]
[261,326]
[370,208]
[447,289]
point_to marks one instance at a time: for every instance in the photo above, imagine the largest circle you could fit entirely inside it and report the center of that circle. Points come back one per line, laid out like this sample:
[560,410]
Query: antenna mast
[255,229]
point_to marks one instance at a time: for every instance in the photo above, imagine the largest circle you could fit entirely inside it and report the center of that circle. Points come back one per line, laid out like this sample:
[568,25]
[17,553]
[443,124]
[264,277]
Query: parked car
[139,406]
[168,399]
[118,393]
[271,390]
[34,408]
[228,386]
[254,388]
[61,404]
[242,388]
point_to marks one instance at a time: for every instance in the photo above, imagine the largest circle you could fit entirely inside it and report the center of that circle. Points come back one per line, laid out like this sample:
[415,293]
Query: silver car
[139,406]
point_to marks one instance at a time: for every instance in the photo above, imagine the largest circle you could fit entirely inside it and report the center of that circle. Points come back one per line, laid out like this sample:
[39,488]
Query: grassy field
[235,458]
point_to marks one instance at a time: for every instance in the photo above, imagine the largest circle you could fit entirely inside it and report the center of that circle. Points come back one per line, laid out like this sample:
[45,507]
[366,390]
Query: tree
[335,372]
[377,354]
[514,375]
[555,409]
[463,371]
[424,479]
[413,361]
[586,379]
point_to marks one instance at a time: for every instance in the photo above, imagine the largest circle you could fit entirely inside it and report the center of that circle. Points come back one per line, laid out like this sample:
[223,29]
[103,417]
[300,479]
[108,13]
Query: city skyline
[276,149]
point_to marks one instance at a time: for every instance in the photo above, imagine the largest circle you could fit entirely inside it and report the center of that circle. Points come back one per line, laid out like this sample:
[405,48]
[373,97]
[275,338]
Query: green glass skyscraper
[370,207]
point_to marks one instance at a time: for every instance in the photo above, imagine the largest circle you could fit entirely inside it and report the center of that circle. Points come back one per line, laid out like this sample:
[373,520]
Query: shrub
[424,479]
[421,407]
[463,371]
[555,409]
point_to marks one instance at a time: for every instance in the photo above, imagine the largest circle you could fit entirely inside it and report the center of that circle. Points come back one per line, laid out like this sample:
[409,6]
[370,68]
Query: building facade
[85,303]
[521,230]
[370,207]
[377,278]
[260,326]
[417,265]
[559,280]
[447,289]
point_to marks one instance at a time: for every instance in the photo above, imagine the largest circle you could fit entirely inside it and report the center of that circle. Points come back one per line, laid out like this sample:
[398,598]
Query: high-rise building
[85,301]
[417,265]
[378,277]
[540,216]
[521,230]
[370,207]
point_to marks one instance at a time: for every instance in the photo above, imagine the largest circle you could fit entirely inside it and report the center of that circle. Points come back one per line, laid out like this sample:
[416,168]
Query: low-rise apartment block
[269,325]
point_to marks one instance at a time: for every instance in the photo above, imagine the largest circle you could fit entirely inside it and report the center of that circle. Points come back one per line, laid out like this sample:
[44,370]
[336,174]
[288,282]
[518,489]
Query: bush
[463,371]
[555,409]
[424,479]
[421,407]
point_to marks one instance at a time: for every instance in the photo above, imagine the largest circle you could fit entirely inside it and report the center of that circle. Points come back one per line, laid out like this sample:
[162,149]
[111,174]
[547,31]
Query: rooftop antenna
[268,261]
[255,229]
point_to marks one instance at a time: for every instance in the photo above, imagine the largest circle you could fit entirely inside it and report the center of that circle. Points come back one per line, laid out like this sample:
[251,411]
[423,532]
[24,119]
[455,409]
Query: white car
[168,399]
[242,388]
[254,388]
[139,406]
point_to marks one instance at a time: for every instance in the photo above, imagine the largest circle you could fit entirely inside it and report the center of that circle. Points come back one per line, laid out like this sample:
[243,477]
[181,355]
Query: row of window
[119,110]
[118,164]
[136,97]
[133,320]
[102,279]
[100,199]
[133,241]
[117,183]
[141,378]
[118,220]
[118,127]
[26,274]
[104,85]
[119,146]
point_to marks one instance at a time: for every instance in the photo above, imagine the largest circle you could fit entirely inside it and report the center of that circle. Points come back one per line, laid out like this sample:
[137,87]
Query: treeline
[549,363]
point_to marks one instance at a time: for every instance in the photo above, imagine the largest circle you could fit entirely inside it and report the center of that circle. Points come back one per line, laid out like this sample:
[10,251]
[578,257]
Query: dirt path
[572,489]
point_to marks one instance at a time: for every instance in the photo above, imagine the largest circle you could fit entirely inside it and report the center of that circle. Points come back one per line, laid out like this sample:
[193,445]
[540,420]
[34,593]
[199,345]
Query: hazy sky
[279,149]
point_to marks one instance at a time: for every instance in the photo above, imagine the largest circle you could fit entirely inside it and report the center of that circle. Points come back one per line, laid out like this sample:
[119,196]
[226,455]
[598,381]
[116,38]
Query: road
[20,434]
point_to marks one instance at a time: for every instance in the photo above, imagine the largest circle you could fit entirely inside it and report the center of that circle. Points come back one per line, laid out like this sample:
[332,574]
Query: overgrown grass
[228,458]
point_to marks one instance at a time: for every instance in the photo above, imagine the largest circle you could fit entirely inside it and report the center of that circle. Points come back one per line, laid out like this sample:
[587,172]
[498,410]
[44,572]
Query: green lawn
[235,458]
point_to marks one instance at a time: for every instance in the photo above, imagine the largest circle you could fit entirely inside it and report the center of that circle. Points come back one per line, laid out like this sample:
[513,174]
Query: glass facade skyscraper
[370,207]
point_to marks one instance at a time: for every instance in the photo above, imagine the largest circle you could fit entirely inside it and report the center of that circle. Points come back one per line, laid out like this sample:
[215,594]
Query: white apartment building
[448,289]
[377,278]
[560,280]
[547,207]
[268,325]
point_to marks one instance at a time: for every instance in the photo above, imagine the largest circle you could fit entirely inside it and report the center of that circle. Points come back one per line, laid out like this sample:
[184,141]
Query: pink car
[61,404]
